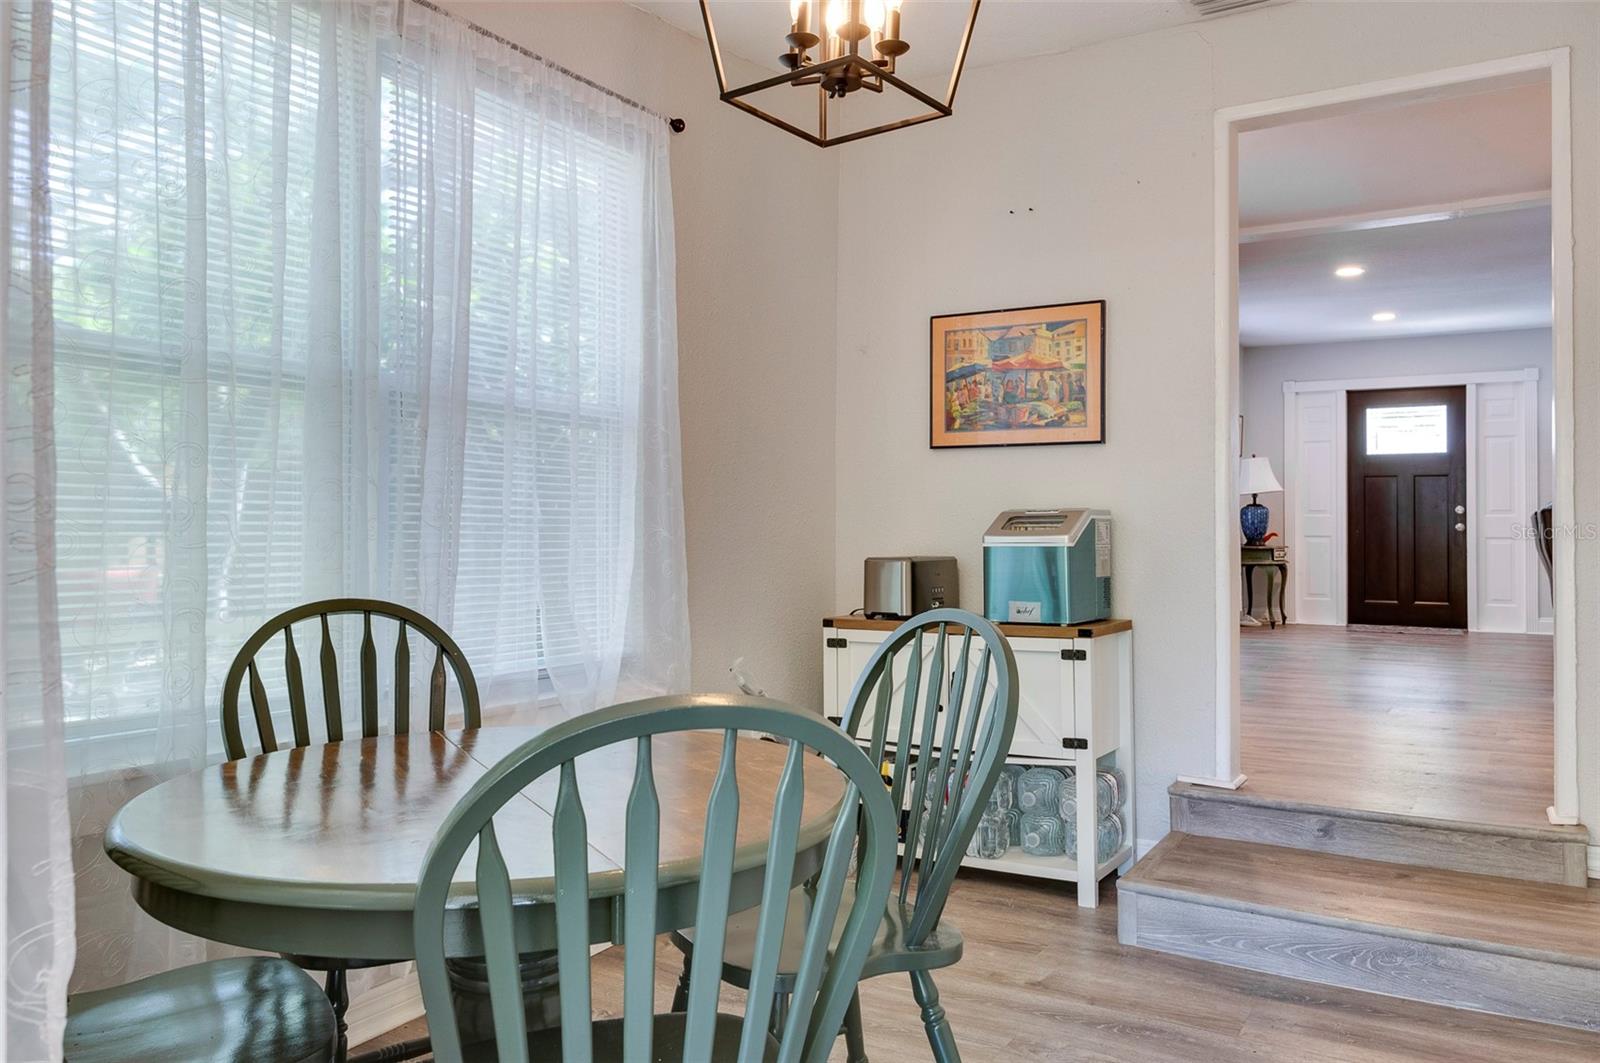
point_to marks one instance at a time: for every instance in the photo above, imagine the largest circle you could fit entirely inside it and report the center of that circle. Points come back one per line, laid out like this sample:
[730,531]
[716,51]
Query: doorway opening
[1394,339]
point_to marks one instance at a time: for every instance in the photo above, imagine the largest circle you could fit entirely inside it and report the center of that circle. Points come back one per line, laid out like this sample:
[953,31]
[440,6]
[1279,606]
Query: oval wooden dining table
[317,850]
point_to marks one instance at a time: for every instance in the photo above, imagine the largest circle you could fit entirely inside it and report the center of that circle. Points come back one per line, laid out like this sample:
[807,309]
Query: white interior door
[1315,497]
[1503,444]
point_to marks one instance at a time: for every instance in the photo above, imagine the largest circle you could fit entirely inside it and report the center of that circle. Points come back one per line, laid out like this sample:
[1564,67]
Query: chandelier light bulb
[873,14]
[837,12]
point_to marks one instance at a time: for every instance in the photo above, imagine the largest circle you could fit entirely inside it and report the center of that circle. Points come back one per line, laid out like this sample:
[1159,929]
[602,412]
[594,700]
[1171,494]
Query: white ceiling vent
[1222,7]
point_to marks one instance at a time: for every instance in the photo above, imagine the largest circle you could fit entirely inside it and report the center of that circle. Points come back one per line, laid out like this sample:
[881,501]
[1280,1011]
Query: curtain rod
[677,125]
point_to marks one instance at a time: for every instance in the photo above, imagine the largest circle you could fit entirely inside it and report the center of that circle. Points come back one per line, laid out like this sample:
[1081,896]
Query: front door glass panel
[1407,430]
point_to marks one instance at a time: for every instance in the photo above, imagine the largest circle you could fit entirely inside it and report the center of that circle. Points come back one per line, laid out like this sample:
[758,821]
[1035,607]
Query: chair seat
[667,1043]
[246,1010]
[889,952]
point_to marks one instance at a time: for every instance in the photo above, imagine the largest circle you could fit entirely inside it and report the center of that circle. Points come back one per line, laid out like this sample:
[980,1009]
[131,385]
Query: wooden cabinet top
[1097,629]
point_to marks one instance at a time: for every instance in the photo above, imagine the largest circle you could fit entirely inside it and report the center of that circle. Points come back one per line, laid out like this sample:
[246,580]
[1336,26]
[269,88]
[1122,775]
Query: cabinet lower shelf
[1058,868]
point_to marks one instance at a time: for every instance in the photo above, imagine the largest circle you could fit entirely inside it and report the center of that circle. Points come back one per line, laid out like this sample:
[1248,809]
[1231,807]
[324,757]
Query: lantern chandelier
[841,47]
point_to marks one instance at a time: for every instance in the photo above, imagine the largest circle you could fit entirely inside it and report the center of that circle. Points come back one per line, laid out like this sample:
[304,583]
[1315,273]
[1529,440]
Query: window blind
[191,410]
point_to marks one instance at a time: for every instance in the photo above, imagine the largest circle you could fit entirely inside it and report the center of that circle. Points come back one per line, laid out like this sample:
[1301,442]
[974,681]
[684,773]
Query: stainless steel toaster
[896,588]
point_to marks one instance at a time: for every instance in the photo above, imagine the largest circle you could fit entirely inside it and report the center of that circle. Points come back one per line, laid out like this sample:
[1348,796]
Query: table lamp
[1255,477]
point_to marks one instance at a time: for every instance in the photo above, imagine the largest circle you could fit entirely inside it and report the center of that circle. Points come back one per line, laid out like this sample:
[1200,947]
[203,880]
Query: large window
[327,324]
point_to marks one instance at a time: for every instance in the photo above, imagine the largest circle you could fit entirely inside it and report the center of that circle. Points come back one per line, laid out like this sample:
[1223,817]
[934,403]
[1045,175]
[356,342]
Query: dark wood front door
[1408,507]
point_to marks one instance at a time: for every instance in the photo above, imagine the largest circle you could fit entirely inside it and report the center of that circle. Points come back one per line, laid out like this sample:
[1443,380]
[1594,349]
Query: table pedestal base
[469,993]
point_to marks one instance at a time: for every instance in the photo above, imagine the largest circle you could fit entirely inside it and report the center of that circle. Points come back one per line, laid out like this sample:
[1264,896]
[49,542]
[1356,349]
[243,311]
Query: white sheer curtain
[306,299]
[37,884]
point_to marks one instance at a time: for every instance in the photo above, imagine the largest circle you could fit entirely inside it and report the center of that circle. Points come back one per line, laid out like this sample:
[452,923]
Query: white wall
[803,373]
[753,209]
[1263,371]
[1111,146]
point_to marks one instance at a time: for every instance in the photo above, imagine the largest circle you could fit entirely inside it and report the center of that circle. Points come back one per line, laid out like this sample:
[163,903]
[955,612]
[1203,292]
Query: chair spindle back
[824,982]
[942,775]
[245,667]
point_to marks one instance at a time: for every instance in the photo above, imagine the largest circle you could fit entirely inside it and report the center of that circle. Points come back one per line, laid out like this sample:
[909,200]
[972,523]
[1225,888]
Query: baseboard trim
[1594,861]
[384,1008]
[1142,847]
[1217,784]
[1558,820]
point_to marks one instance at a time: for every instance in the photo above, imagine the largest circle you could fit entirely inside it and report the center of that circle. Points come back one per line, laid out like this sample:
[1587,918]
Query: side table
[1276,563]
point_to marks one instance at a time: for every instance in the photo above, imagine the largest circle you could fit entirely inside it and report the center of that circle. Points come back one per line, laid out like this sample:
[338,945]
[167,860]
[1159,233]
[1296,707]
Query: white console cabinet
[1075,709]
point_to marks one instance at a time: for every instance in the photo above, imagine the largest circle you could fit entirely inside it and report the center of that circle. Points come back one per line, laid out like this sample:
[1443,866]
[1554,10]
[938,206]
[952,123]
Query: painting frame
[1050,394]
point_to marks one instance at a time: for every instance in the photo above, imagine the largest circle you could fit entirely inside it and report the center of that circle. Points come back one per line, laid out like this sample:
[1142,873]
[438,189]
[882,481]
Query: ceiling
[1474,274]
[1438,151]
[1006,29]
[1445,202]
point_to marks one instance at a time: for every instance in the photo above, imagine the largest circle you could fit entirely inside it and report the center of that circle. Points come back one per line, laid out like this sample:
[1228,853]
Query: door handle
[1460,526]
[1460,510]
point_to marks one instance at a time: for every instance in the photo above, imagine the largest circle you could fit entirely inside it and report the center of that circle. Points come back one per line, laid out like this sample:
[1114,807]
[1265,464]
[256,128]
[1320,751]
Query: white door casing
[1228,122]
[1502,482]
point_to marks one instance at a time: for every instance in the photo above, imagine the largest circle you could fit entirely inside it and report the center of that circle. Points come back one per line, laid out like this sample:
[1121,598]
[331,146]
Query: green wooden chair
[965,754]
[245,667]
[409,620]
[246,1010]
[824,978]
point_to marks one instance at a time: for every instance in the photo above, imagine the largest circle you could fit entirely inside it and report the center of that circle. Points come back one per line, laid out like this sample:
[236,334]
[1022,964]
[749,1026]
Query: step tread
[1535,919]
[1552,832]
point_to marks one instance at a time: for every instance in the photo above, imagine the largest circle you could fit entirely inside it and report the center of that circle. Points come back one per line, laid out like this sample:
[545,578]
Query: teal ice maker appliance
[1048,566]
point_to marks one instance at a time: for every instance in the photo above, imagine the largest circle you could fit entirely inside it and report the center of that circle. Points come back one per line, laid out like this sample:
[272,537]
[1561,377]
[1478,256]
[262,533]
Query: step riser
[1451,975]
[1529,859]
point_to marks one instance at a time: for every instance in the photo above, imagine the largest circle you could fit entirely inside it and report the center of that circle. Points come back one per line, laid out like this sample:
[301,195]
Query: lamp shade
[1256,476]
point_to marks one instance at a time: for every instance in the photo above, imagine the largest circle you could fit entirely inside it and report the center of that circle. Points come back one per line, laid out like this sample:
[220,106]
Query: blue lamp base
[1253,522]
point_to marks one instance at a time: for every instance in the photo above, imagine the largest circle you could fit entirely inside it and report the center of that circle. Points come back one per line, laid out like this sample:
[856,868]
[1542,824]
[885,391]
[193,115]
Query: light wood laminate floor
[1442,726]
[1045,980]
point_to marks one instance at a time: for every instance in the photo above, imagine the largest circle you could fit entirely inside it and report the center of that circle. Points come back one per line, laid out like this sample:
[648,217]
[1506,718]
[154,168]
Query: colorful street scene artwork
[1035,378]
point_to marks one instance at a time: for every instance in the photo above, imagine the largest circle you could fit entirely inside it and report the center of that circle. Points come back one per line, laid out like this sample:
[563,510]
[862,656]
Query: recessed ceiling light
[1349,271]
[1385,315]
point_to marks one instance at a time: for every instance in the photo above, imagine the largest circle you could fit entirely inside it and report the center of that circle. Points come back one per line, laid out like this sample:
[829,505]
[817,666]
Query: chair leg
[337,987]
[941,1038]
[780,1014]
[854,1040]
[680,996]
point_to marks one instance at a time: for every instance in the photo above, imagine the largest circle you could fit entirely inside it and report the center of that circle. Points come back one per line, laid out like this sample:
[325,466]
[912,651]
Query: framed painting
[1029,376]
